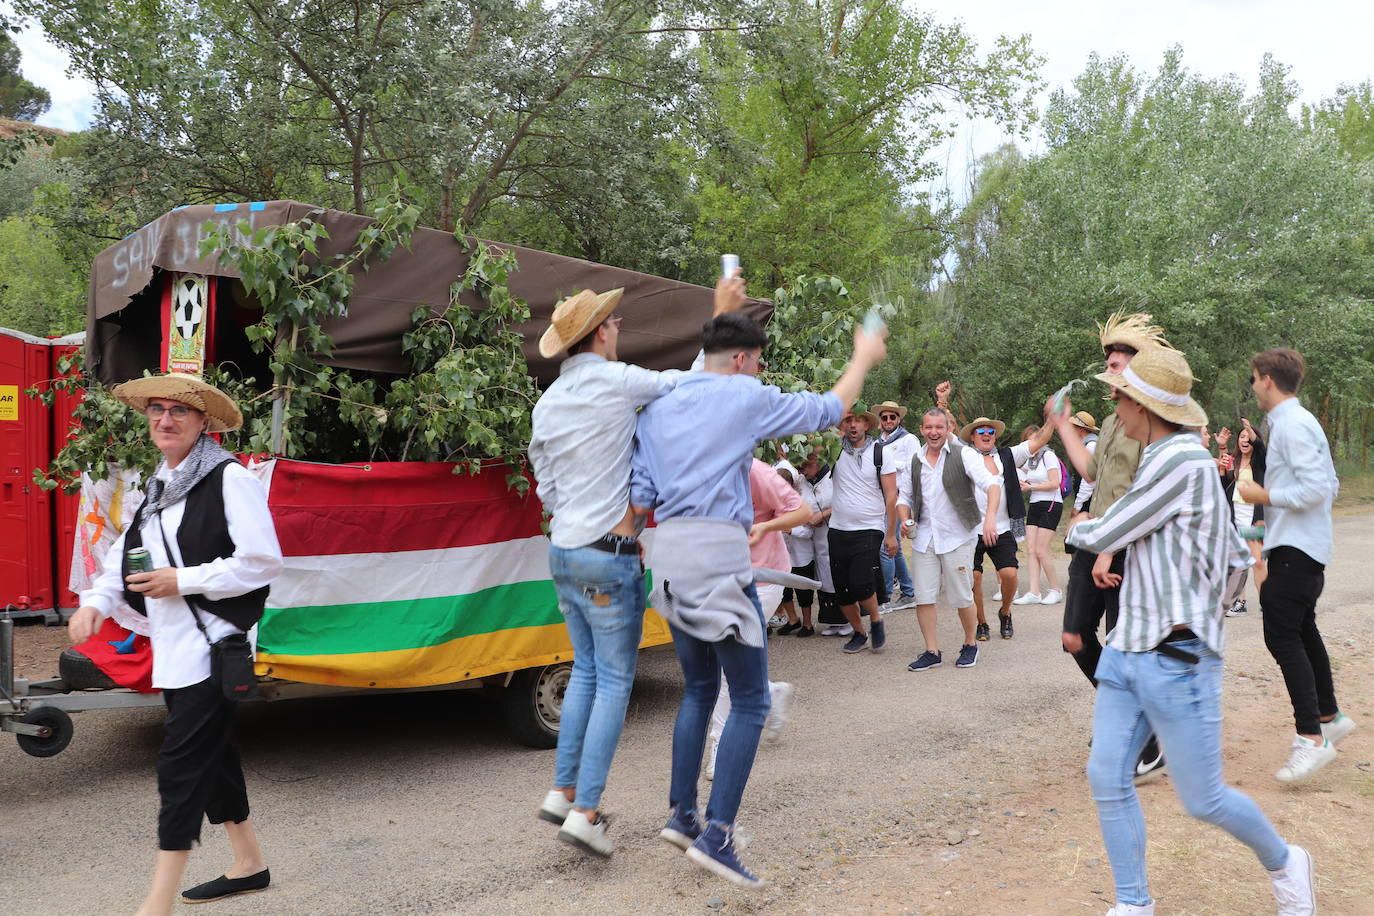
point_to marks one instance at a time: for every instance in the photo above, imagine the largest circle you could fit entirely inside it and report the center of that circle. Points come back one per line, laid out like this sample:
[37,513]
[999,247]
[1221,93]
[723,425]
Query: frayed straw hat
[983,421]
[893,406]
[1160,380]
[1134,331]
[1084,420]
[576,317]
[867,416]
[190,390]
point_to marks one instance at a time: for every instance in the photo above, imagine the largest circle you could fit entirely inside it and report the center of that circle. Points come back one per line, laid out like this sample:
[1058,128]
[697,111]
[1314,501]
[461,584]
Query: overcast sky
[1326,42]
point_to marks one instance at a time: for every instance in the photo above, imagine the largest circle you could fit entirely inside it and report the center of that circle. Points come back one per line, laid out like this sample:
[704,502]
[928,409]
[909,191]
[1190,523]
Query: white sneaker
[778,620]
[713,745]
[555,808]
[586,836]
[780,713]
[1238,608]
[1306,758]
[1338,727]
[843,630]
[1053,596]
[997,595]
[1027,598]
[1128,909]
[1293,884]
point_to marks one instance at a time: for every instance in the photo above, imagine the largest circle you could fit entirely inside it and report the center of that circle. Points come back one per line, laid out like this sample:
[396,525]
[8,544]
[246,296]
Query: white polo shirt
[857,501]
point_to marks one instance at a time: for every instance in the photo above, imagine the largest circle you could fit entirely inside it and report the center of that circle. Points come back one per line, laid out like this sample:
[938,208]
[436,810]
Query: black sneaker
[223,887]
[984,632]
[1006,625]
[1150,766]
[968,656]
[857,643]
[788,629]
[879,631]
[806,631]
[927,661]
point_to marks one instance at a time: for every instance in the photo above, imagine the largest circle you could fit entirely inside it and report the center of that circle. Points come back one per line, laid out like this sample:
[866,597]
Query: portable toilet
[26,520]
[65,505]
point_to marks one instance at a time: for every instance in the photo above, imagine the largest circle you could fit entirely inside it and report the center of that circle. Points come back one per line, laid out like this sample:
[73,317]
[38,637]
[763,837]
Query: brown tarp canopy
[662,325]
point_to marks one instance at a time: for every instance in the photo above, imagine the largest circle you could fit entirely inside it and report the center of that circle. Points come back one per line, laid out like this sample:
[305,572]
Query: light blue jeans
[1140,692]
[896,565]
[602,599]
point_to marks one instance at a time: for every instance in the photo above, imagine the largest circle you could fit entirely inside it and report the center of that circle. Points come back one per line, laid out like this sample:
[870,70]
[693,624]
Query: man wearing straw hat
[898,442]
[583,437]
[1161,670]
[207,532]
[1085,427]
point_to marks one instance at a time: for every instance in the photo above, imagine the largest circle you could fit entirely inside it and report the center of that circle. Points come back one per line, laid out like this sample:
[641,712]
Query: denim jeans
[896,564]
[602,598]
[1140,692]
[746,676]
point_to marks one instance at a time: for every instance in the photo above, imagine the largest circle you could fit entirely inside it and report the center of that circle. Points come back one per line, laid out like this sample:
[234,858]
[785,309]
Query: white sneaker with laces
[1293,885]
[555,808]
[1128,909]
[1027,598]
[780,712]
[1053,596]
[1306,758]
[1338,727]
[586,836]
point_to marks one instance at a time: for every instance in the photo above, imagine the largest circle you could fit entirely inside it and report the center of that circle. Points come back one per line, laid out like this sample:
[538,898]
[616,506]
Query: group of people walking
[1155,531]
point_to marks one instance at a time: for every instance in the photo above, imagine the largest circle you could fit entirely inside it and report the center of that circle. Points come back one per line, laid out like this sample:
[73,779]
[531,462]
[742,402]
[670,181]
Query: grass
[1357,490]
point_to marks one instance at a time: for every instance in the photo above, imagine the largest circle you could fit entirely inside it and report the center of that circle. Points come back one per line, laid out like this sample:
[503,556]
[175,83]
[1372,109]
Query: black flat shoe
[223,887]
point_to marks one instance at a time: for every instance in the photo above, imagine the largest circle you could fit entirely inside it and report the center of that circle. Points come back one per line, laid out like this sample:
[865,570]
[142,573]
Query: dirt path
[949,792]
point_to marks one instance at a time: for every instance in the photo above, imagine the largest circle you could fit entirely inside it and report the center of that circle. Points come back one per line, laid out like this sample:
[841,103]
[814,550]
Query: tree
[1350,115]
[41,292]
[20,99]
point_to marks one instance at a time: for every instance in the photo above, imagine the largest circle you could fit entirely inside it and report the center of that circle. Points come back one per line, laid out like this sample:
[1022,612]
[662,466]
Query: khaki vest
[958,486]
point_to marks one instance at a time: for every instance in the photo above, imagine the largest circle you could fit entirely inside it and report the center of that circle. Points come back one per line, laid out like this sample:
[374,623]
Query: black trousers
[198,769]
[1085,606]
[1288,601]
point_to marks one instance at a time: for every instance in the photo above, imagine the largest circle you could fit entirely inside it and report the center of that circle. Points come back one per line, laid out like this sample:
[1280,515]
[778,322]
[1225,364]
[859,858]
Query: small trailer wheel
[533,704]
[60,735]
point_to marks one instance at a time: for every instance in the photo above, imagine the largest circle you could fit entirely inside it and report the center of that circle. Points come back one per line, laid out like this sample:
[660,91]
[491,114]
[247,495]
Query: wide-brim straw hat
[1161,381]
[221,411]
[983,421]
[576,317]
[893,406]
[867,416]
[1134,331]
[1084,420]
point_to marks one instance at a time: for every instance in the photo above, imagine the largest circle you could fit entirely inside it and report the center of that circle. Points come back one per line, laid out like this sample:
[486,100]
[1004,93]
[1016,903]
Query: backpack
[1065,483]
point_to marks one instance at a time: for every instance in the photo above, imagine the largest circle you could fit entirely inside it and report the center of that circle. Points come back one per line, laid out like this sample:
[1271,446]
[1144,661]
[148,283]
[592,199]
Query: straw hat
[1160,380]
[893,406]
[190,390]
[1134,331]
[576,317]
[1084,420]
[867,416]
[983,421]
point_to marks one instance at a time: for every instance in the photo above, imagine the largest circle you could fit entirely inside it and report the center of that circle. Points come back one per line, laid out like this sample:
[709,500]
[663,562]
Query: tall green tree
[20,99]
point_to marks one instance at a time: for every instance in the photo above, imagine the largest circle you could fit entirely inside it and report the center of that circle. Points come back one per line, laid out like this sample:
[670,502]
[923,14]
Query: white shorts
[954,569]
[770,596]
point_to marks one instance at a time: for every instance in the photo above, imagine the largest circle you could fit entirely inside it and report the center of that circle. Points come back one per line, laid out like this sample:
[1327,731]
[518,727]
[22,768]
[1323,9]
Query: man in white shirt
[864,497]
[901,444]
[939,511]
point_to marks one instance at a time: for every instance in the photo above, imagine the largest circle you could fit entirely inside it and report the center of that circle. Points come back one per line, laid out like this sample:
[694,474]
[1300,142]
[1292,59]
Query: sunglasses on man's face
[888,416]
[985,431]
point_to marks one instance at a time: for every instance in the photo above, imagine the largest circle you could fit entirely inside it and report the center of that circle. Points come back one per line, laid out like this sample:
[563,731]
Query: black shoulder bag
[231,657]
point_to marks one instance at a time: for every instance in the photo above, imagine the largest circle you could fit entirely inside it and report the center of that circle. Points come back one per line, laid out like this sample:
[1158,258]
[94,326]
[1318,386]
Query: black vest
[202,537]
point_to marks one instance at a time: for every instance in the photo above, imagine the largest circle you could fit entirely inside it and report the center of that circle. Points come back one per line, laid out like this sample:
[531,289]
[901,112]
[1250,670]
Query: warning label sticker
[9,402]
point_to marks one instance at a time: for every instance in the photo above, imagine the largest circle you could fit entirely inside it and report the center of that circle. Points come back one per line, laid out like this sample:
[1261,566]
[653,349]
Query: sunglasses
[985,431]
[156,411]
[888,416]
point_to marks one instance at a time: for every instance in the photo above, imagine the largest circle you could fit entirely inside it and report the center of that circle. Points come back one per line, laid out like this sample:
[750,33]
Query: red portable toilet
[26,541]
[65,505]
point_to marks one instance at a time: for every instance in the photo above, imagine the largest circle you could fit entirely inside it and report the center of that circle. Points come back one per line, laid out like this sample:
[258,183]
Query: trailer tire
[533,704]
[49,717]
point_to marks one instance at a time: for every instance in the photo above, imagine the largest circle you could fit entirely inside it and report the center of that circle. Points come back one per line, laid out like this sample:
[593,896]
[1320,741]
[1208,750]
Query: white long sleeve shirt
[939,523]
[181,655]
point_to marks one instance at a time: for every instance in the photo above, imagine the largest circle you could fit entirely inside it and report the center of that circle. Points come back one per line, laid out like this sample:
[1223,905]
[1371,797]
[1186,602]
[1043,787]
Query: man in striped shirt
[1161,668]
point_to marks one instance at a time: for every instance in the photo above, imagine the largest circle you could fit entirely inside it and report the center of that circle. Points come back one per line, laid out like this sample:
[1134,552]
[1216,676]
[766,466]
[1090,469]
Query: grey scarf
[204,457]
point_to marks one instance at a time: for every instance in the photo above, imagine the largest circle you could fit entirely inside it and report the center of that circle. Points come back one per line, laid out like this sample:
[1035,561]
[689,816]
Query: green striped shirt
[1177,523]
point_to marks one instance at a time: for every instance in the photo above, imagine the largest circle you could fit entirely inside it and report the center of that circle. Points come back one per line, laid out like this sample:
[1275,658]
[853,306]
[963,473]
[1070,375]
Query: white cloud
[73,100]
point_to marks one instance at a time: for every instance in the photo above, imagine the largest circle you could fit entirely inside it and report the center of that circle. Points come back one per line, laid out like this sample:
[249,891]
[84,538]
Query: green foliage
[1350,115]
[19,98]
[41,292]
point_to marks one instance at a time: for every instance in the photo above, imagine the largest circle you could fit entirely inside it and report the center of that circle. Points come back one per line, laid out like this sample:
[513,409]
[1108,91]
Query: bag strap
[166,545]
[878,461]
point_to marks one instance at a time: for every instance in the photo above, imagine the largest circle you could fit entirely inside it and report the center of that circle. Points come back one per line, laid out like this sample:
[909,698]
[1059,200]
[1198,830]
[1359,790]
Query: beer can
[729,263]
[140,560]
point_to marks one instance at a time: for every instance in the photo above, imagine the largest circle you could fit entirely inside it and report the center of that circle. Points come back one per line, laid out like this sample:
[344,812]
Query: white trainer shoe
[1129,909]
[997,595]
[1338,727]
[1053,596]
[1293,885]
[1028,598]
[1306,758]
[781,712]
[586,836]
[555,808]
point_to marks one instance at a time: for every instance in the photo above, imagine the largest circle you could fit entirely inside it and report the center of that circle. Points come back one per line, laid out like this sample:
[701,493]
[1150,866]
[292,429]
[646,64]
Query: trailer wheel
[59,736]
[533,704]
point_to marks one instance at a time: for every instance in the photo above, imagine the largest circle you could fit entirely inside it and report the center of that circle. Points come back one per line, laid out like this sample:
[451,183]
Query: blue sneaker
[927,661]
[968,656]
[879,631]
[682,829]
[857,643]
[714,851]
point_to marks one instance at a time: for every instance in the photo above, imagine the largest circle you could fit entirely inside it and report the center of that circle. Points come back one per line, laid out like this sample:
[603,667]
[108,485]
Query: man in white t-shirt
[864,497]
[901,444]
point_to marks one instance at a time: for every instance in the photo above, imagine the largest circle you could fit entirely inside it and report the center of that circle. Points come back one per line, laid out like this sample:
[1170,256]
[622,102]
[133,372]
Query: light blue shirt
[695,444]
[1301,481]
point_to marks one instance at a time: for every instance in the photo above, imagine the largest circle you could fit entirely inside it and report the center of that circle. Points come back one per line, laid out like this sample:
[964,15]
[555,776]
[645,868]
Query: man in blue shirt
[691,467]
[1300,485]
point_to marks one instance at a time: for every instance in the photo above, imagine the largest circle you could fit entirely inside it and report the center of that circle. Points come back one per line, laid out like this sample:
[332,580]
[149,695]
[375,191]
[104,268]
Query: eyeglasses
[178,411]
[985,431]
[888,416]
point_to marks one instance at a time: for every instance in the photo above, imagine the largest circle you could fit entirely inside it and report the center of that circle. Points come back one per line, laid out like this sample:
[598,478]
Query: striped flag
[403,574]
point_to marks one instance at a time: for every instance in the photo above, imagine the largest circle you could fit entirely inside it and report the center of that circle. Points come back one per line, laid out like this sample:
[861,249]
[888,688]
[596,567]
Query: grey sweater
[701,569]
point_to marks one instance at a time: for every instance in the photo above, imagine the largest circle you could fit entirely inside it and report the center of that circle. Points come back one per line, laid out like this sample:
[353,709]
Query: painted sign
[9,402]
[187,327]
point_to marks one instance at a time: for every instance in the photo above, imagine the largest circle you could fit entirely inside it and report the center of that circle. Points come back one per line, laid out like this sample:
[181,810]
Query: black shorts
[802,595]
[1044,514]
[854,565]
[1003,553]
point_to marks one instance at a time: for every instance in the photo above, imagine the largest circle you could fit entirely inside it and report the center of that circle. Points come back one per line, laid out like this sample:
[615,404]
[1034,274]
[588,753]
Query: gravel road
[420,803]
